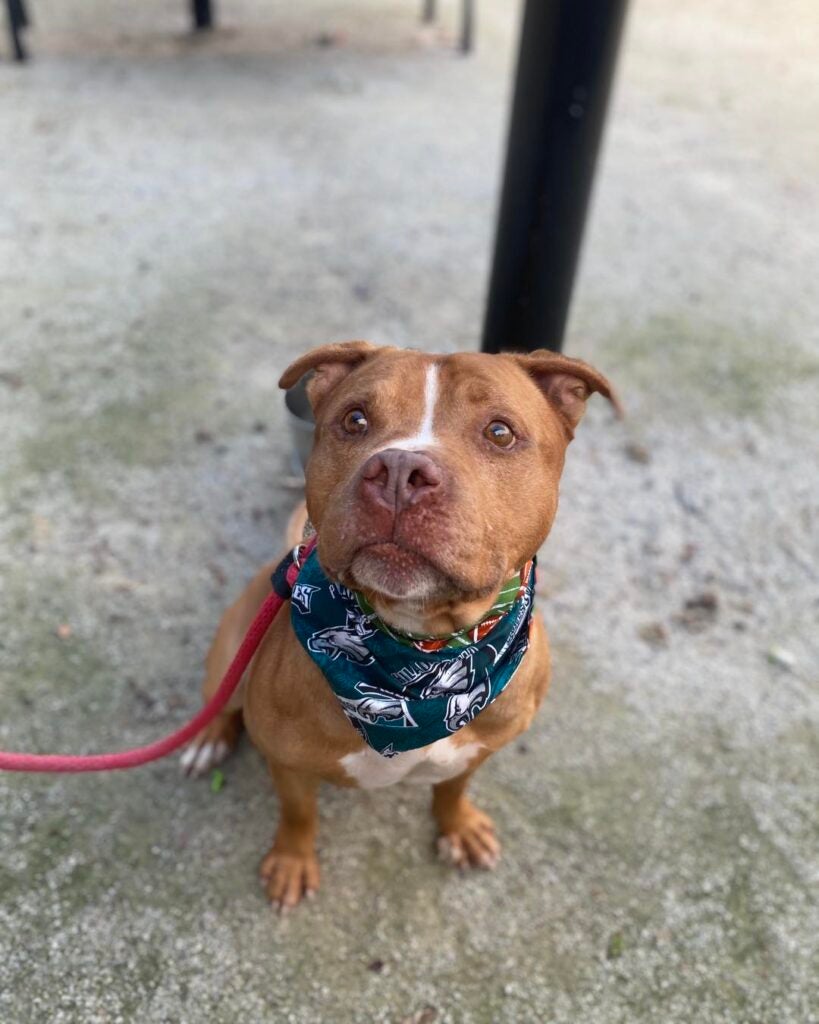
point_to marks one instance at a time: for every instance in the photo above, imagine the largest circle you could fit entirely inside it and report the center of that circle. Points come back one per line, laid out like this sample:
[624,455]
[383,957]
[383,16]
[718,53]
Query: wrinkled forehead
[422,398]
[392,383]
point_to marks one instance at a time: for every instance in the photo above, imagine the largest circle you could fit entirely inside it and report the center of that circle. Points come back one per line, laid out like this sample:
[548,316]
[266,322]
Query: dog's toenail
[188,757]
[205,758]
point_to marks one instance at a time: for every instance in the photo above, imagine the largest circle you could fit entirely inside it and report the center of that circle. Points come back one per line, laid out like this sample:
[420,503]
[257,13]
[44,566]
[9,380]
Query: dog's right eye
[355,422]
[500,434]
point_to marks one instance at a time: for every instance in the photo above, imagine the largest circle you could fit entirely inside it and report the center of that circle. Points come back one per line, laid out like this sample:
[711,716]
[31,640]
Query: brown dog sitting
[408,650]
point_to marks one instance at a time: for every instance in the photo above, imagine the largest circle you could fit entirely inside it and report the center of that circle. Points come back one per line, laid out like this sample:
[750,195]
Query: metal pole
[568,50]
[467,25]
[202,15]
[17,21]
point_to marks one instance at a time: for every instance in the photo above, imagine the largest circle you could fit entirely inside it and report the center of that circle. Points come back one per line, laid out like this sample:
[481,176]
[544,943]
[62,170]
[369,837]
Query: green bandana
[402,692]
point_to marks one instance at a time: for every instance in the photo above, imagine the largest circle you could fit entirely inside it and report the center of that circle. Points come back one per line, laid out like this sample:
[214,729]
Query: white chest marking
[438,762]
[425,437]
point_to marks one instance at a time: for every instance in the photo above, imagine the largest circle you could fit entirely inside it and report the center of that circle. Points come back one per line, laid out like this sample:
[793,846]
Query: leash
[283,578]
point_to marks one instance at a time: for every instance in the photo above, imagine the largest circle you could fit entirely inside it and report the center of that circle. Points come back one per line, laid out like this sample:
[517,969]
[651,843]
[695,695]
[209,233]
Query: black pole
[568,50]
[202,15]
[17,20]
[467,25]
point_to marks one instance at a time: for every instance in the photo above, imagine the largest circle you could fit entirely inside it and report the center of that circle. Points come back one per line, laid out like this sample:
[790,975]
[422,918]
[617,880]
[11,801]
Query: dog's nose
[396,478]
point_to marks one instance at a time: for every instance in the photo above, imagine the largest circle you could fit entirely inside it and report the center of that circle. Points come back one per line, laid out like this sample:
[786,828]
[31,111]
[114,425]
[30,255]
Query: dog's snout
[396,478]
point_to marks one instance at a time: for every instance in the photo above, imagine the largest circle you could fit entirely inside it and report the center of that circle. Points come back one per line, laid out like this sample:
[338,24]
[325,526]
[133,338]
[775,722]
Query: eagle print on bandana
[456,681]
[402,695]
[378,707]
[347,640]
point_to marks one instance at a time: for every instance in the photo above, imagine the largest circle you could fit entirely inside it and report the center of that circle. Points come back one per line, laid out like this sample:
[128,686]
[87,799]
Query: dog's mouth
[397,572]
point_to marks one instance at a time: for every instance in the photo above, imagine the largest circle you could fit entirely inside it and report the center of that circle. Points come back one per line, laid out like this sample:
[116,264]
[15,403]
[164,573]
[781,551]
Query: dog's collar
[403,693]
[509,593]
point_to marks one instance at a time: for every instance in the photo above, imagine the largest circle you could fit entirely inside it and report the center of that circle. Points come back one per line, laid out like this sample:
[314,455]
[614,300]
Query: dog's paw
[289,877]
[198,758]
[470,841]
[210,748]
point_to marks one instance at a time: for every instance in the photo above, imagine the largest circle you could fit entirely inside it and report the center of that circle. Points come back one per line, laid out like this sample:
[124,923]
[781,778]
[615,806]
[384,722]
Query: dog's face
[434,478]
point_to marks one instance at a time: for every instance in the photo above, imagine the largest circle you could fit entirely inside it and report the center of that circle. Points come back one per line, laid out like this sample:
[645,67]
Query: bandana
[398,690]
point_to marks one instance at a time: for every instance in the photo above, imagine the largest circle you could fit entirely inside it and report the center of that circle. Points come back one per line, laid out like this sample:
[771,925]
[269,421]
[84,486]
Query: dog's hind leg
[218,740]
[213,744]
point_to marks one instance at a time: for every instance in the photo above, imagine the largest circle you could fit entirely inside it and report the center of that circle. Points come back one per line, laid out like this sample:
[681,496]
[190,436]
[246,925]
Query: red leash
[283,579]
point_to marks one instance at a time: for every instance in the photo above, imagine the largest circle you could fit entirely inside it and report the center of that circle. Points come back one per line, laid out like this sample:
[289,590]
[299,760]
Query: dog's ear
[566,384]
[330,363]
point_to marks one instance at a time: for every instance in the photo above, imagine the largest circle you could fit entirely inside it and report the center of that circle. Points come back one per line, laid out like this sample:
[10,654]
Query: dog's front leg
[466,835]
[290,870]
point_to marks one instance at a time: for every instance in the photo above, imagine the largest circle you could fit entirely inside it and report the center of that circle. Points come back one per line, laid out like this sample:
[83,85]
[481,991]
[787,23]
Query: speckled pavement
[177,221]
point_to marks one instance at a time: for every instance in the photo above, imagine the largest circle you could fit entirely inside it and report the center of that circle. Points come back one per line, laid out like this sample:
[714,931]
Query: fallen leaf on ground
[425,1016]
[779,656]
[654,633]
[614,949]
[637,452]
[698,612]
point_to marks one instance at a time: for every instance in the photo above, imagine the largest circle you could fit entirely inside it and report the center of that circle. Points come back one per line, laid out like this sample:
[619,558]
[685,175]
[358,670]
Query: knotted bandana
[399,691]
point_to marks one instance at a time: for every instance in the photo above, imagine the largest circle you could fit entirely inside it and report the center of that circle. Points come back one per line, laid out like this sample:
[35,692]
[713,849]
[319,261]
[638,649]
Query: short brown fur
[490,515]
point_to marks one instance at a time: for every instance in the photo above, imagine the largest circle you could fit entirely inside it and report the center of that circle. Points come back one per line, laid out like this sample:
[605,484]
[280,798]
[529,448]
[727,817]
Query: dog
[408,650]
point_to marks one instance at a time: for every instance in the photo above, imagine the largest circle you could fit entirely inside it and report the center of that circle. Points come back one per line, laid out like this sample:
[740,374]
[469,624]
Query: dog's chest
[428,765]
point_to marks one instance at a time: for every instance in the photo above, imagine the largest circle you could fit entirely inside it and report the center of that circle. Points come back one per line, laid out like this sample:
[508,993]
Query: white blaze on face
[425,437]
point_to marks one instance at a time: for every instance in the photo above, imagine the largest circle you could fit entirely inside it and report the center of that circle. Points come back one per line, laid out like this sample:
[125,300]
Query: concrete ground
[177,221]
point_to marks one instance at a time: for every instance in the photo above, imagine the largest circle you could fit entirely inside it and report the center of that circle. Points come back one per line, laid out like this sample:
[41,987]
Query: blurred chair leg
[202,15]
[467,25]
[17,20]
[429,11]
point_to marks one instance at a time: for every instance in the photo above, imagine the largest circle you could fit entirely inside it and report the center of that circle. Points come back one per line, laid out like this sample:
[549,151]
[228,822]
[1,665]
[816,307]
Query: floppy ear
[331,364]
[567,383]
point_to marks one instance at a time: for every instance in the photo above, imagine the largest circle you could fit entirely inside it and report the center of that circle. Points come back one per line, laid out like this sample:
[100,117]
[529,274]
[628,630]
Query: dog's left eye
[355,422]
[500,434]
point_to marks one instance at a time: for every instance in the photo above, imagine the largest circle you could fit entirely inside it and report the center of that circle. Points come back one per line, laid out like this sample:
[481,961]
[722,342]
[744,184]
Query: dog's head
[434,478]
